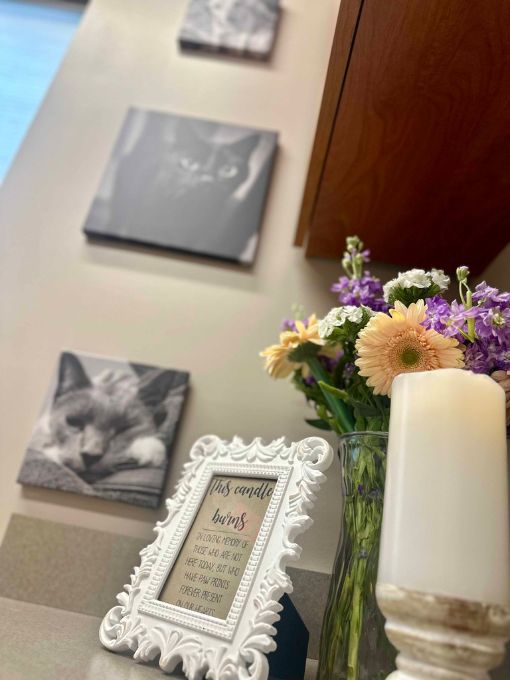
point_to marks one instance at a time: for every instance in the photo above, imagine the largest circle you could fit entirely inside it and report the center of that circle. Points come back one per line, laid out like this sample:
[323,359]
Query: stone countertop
[42,643]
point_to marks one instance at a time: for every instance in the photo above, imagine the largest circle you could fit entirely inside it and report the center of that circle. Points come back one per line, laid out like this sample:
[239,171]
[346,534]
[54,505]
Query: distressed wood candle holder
[443,638]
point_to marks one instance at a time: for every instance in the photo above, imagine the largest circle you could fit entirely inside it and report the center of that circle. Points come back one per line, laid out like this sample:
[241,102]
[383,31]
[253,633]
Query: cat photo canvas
[106,429]
[239,27]
[186,184]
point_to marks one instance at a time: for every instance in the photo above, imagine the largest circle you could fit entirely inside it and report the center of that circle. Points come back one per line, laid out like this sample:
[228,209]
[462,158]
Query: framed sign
[207,591]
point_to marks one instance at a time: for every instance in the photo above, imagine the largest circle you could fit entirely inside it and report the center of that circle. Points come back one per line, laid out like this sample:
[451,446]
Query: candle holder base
[442,638]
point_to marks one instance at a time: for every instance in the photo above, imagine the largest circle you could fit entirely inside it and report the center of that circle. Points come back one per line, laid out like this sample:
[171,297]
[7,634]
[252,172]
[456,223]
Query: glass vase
[353,643]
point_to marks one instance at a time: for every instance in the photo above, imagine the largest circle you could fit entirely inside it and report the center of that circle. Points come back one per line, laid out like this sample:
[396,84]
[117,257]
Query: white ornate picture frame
[234,647]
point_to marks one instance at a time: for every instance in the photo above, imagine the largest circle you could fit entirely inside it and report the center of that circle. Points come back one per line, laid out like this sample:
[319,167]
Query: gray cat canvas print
[106,429]
[186,184]
[238,27]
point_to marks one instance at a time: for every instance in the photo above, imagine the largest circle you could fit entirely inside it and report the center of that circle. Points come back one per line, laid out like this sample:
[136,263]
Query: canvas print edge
[71,483]
[152,244]
[188,41]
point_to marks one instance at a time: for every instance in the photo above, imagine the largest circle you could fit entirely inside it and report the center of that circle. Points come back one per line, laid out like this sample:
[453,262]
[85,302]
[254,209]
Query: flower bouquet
[344,364]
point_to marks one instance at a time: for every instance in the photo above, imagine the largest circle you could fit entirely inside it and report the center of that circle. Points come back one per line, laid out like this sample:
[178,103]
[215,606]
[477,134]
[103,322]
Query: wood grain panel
[419,159]
[345,30]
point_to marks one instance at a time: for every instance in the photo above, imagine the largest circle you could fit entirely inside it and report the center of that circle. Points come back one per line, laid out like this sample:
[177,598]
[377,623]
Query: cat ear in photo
[245,146]
[154,388]
[71,375]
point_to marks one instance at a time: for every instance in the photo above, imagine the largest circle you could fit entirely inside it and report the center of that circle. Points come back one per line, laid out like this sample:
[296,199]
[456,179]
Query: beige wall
[59,292]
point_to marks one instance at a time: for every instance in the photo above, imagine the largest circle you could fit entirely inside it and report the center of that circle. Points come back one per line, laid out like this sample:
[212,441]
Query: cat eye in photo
[106,429]
[185,184]
[208,590]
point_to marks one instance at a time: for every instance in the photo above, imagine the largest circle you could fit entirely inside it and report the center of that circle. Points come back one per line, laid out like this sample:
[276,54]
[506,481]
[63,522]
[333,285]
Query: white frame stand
[235,648]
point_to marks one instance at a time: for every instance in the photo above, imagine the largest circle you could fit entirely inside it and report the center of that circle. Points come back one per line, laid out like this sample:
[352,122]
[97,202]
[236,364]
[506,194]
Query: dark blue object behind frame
[288,662]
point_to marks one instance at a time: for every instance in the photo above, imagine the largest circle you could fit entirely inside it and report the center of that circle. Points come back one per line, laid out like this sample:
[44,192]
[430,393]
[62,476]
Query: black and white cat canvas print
[106,429]
[239,27]
[186,184]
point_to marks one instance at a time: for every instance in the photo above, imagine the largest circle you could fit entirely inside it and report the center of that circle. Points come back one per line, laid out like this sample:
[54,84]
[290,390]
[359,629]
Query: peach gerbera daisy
[398,343]
[278,362]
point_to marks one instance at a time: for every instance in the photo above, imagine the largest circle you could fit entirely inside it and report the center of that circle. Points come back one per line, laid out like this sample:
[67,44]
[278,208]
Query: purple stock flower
[365,254]
[288,325]
[438,314]
[493,322]
[349,369]
[485,356]
[477,357]
[329,363]
[503,360]
[487,294]
[447,319]
[458,318]
[358,287]
[366,290]
[490,349]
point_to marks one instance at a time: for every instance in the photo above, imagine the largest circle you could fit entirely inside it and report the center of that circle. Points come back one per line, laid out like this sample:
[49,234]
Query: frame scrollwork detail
[234,649]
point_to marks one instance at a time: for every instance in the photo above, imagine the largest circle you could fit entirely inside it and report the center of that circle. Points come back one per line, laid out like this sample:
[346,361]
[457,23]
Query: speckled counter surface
[42,643]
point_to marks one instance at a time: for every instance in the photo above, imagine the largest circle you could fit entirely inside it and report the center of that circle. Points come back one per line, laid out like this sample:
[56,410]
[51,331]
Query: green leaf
[366,410]
[341,412]
[360,423]
[341,394]
[409,295]
[319,423]
[304,352]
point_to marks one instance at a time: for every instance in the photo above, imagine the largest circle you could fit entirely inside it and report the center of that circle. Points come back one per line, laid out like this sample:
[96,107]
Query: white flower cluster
[336,318]
[417,278]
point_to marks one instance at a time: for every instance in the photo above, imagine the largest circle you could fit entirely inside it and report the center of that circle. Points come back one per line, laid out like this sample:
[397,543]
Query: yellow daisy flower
[278,364]
[398,343]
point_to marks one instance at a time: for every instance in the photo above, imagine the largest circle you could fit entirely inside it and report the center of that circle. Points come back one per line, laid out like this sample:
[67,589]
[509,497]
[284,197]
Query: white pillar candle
[445,524]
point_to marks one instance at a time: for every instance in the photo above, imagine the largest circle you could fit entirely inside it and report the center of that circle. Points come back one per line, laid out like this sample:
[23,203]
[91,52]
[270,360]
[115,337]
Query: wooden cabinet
[412,150]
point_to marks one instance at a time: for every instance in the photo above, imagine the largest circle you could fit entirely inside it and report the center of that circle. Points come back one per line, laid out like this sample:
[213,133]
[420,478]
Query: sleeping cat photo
[241,27]
[106,429]
[186,184]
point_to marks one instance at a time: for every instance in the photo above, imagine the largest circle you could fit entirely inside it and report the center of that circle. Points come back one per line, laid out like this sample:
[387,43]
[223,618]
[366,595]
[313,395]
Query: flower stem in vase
[356,620]
[353,643]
